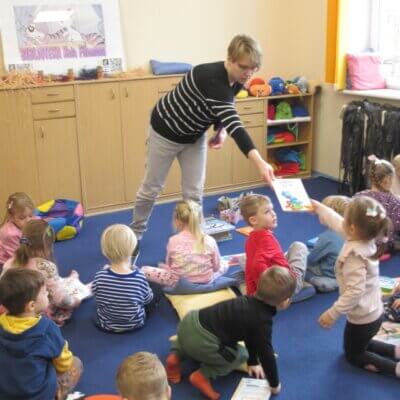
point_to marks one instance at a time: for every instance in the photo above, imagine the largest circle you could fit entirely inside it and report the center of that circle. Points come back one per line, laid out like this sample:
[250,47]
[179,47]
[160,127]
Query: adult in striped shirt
[180,119]
[121,292]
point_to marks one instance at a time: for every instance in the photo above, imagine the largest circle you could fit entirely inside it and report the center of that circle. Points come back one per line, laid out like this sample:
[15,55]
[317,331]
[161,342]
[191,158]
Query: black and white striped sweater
[204,97]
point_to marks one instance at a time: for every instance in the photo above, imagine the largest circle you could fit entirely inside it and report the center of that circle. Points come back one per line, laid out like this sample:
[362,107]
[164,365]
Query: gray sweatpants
[161,153]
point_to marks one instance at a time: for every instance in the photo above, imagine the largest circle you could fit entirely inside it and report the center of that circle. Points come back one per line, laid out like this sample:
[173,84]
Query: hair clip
[371,212]
[10,204]
[24,240]
[385,239]
[382,215]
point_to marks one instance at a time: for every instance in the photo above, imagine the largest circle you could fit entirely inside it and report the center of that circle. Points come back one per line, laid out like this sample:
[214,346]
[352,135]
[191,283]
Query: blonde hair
[118,243]
[242,46]
[16,204]
[189,214]
[37,241]
[378,171]
[250,205]
[369,220]
[337,203]
[396,163]
[141,376]
[276,284]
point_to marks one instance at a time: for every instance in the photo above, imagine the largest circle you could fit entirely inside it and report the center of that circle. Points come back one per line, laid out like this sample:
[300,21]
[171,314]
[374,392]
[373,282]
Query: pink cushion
[364,71]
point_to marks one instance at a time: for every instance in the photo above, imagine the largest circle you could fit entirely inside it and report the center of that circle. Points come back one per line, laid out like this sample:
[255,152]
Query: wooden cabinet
[101,148]
[137,100]
[252,115]
[57,159]
[18,170]
[56,143]
[87,141]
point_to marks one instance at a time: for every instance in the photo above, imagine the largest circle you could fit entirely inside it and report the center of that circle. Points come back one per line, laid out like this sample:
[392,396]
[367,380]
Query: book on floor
[217,228]
[252,389]
[389,332]
[232,259]
[292,195]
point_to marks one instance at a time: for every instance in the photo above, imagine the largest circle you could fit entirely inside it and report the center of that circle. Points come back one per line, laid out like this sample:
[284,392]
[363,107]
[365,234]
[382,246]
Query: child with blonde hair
[19,210]
[395,189]
[120,289]
[36,360]
[323,255]
[191,254]
[357,271]
[36,252]
[141,376]
[381,176]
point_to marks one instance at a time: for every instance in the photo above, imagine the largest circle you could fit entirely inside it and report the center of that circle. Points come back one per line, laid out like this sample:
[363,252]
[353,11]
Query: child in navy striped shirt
[121,291]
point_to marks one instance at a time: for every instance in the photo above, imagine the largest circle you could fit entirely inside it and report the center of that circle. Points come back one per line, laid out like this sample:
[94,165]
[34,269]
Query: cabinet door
[244,170]
[58,161]
[18,170]
[137,100]
[100,141]
[219,164]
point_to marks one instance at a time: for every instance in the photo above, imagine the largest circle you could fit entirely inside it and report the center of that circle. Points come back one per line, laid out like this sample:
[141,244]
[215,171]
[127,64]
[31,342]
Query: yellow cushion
[183,303]
[46,206]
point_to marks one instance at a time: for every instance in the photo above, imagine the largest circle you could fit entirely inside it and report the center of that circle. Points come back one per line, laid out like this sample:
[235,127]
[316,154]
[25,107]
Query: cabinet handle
[54,110]
[126,92]
[42,132]
[52,94]
[113,94]
[247,107]
[247,122]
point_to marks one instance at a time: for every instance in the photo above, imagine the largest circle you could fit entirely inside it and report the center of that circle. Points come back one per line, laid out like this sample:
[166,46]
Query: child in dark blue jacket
[36,361]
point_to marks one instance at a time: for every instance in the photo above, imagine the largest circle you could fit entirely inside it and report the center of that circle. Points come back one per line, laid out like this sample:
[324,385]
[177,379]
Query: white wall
[190,31]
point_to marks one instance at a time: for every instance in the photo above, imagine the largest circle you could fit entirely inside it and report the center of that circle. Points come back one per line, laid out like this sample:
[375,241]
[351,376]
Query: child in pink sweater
[357,271]
[191,254]
[19,210]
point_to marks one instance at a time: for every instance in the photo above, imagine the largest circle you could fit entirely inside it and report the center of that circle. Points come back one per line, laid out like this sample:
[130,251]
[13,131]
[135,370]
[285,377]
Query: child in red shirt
[263,250]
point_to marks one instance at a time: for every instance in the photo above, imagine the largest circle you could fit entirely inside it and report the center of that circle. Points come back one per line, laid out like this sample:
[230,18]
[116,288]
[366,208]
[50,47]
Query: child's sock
[173,368]
[397,352]
[198,380]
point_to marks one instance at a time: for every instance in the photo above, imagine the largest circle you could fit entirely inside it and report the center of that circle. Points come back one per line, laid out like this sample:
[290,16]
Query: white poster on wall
[54,36]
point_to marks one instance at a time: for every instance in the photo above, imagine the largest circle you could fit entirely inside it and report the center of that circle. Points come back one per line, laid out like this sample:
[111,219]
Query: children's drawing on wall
[62,31]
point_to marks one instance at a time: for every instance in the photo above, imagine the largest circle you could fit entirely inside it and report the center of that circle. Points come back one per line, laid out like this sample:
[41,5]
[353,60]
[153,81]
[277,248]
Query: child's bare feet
[173,368]
[198,380]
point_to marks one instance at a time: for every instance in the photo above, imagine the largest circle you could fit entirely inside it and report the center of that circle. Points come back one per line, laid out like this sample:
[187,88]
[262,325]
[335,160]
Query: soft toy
[242,94]
[259,88]
[302,83]
[291,88]
[277,86]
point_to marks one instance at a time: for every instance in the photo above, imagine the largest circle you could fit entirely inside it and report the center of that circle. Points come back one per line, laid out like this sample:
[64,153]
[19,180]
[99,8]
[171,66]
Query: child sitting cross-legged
[36,252]
[141,376]
[211,335]
[36,361]
[323,255]
[263,249]
[120,289]
[191,254]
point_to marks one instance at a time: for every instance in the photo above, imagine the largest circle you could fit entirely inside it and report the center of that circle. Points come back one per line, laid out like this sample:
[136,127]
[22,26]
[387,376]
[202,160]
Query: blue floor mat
[310,361]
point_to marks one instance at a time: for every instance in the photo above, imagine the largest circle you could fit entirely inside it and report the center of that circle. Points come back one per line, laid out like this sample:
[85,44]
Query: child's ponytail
[189,214]
[36,241]
[378,171]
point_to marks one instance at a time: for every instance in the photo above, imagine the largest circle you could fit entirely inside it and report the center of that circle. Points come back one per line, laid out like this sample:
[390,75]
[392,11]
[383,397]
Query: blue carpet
[310,359]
